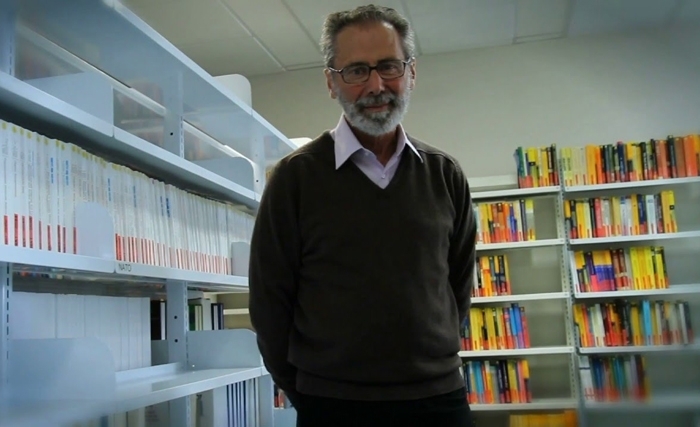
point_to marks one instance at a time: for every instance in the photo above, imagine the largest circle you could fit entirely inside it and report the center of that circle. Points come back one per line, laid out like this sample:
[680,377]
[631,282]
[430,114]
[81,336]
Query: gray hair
[335,22]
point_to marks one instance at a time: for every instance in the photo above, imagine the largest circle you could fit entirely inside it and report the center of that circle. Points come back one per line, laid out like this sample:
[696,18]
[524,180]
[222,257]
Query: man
[363,250]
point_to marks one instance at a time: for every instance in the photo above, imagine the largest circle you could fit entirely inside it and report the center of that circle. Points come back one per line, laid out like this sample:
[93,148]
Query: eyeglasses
[359,73]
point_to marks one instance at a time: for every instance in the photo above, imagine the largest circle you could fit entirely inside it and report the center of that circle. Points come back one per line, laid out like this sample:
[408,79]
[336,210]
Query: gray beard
[381,122]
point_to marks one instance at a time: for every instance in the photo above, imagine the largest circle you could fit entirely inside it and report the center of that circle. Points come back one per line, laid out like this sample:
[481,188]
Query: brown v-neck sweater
[358,292]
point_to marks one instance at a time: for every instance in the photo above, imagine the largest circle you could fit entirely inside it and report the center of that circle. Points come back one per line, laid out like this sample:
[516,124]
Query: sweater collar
[346,143]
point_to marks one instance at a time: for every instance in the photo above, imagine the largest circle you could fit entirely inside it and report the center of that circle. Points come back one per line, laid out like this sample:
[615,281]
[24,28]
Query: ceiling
[255,37]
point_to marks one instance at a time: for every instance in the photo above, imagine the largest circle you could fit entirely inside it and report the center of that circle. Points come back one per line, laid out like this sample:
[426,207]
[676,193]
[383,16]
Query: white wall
[480,105]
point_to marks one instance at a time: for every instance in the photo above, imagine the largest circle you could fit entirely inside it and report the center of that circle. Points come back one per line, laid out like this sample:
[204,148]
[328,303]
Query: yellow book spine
[513,382]
[666,212]
[488,383]
[580,265]
[660,260]
[501,328]
[649,262]
[672,210]
[635,215]
[474,329]
[636,325]
[491,328]
[616,216]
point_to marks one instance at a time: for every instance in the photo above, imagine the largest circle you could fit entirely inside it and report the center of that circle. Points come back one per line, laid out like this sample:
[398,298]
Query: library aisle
[130,181]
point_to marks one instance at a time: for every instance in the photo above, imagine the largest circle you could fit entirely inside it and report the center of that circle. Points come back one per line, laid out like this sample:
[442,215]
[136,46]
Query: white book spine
[16,211]
[4,189]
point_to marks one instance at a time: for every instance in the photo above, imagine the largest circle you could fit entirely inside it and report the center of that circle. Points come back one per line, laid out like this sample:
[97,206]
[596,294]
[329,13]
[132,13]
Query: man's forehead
[369,27]
[371,41]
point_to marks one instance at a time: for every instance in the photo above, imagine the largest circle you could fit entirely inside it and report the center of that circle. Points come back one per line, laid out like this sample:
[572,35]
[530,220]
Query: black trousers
[447,410]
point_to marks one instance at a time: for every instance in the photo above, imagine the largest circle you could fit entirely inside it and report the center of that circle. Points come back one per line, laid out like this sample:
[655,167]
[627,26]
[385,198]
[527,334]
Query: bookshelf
[621,259]
[655,304]
[519,307]
[129,176]
[631,227]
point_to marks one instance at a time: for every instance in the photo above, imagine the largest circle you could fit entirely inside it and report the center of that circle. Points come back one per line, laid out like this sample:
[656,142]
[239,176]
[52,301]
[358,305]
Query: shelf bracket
[257,150]
[7,36]
[5,295]
[177,328]
[174,138]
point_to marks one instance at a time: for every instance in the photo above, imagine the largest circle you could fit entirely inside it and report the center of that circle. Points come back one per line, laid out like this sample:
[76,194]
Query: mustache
[382,98]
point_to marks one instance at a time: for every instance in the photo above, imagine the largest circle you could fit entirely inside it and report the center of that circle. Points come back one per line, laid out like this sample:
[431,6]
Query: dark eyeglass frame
[404,63]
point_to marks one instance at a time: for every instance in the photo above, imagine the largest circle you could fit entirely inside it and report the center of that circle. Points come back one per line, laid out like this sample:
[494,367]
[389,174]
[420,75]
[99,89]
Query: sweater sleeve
[462,254]
[273,273]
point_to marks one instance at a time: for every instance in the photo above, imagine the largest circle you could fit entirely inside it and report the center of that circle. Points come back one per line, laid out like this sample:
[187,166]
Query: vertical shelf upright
[7,66]
[5,298]
[567,286]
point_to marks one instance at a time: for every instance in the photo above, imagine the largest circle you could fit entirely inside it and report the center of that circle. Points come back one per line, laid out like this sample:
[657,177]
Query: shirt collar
[346,143]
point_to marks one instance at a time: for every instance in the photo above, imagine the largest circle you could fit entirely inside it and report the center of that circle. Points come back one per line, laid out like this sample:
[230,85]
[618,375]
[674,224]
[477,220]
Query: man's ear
[412,74]
[329,83]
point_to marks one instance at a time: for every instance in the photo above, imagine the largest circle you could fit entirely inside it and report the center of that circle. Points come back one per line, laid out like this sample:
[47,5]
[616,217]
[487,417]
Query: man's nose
[375,83]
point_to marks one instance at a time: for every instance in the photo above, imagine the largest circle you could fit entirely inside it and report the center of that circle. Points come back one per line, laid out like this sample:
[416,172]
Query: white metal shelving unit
[547,297]
[672,369]
[674,403]
[93,74]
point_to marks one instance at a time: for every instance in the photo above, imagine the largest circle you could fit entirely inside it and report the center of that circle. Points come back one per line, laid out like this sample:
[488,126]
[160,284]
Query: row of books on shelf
[497,381]
[155,223]
[492,276]
[636,268]
[614,378]
[537,166]
[629,215]
[203,315]
[672,157]
[242,404]
[505,221]
[598,217]
[566,418]
[633,323]
[495,328]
